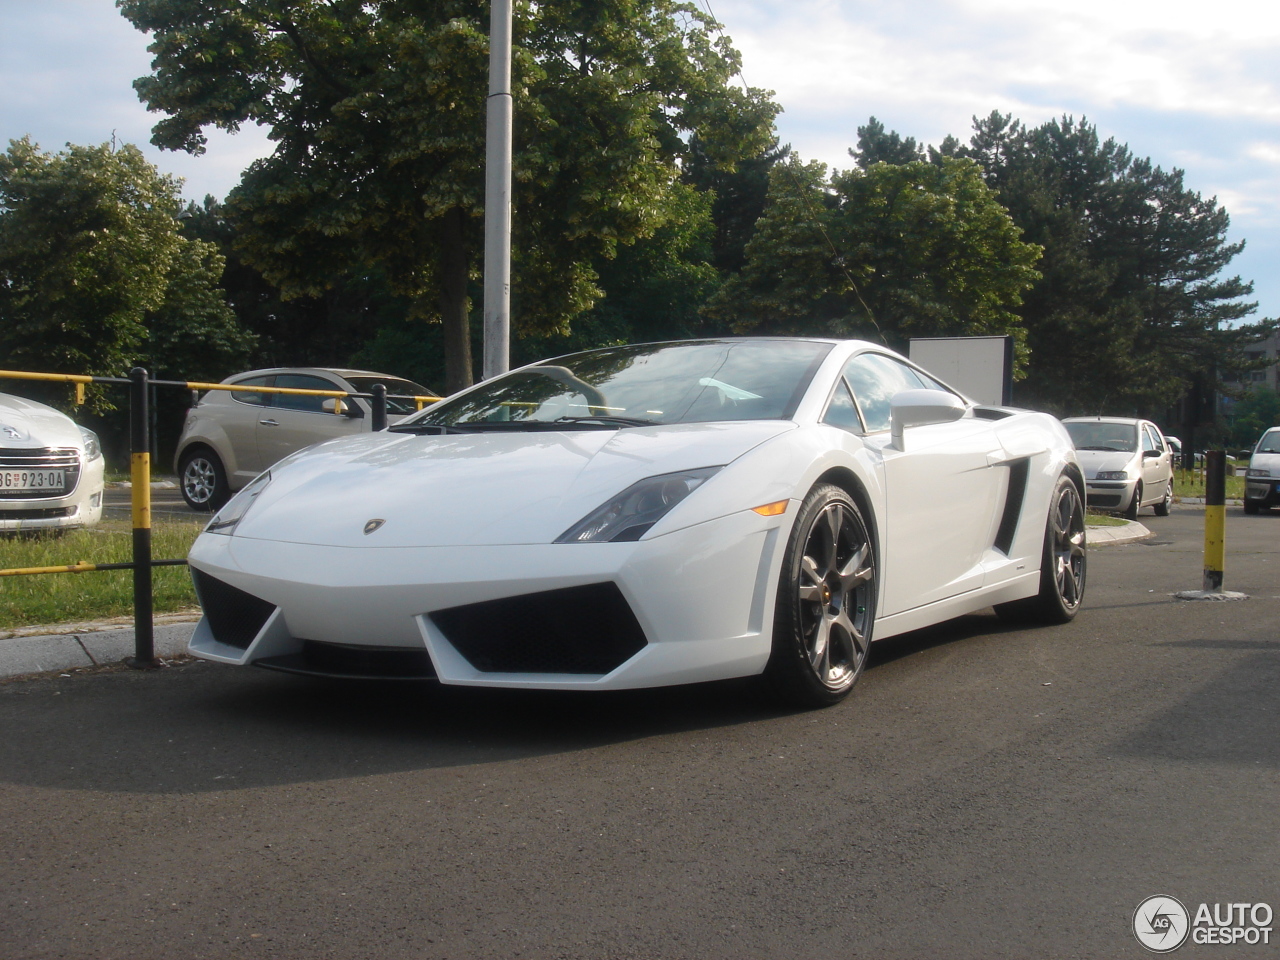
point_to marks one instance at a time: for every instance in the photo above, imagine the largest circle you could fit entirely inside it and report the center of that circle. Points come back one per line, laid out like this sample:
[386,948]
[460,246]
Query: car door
[238,419]
[1156,464]
[295,421]
[942,489]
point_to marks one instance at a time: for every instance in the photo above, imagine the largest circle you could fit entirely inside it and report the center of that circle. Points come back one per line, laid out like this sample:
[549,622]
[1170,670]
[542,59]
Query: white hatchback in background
[232,436]
[1127,464]
[51,470]
[1262,480]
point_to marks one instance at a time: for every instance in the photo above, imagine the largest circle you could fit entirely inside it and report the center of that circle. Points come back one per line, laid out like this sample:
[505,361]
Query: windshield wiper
[421,428]
[1107,449]
[607,419]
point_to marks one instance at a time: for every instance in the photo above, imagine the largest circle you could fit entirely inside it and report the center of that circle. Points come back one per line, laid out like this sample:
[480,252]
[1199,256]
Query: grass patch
[58,597]
[1190,483]
[1103,520]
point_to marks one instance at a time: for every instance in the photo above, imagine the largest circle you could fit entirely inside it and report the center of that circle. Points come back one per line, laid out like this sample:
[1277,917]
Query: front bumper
[82,507]
[702,600]
[1265,493]
[1110,494]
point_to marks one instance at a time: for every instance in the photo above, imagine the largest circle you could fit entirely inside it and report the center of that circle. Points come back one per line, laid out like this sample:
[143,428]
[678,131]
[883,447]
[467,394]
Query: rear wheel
[1062,566]
[826,602]
[1162,508]
[203,479]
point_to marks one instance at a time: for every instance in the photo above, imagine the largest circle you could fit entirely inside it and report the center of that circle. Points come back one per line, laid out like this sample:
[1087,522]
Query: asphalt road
[986,793]
[119,505]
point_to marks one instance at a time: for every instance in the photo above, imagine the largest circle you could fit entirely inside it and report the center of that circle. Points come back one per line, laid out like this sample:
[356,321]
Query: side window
[1149,442]
[875,378]
[246,396]
[841,411]
[299,381]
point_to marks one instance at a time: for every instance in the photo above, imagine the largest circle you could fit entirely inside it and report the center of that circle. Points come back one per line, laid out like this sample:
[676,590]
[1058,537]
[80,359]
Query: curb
[1131,531]
[79,646]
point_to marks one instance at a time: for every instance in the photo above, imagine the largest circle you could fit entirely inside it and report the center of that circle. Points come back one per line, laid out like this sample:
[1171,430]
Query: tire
[1252,507]
[1131,512]
[1063,563]
[826,602]
[1162,508]
[203,480]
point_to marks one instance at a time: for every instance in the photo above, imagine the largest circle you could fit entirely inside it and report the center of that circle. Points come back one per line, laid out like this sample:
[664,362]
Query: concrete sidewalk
[72,646]
[1131,531]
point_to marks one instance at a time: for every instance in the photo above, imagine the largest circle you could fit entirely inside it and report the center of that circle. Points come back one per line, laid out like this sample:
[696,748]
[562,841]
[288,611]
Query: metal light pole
[497,195]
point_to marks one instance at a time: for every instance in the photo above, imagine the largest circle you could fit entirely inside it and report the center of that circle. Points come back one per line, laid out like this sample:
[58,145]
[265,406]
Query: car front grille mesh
[41,458]
[585,630]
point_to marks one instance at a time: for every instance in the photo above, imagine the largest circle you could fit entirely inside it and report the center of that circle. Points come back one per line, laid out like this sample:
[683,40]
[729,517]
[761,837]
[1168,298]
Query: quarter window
[246,396]
[841,411]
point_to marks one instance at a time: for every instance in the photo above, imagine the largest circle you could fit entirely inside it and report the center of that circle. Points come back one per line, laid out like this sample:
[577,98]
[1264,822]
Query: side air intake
[235,617]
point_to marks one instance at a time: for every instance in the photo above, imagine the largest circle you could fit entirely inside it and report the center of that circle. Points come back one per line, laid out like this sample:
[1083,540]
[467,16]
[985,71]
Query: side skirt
[1026,585]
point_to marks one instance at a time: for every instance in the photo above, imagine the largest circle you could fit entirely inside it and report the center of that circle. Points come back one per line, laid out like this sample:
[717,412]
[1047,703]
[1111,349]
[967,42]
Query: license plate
[52,481]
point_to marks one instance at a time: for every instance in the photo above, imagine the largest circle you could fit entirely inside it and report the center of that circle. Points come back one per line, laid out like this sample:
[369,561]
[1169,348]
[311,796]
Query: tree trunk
[455,305]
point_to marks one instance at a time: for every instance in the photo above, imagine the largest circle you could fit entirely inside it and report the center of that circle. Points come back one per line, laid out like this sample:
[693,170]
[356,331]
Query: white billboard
[979,367]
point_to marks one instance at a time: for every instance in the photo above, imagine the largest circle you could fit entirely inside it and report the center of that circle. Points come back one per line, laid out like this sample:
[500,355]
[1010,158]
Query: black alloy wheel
[826,602]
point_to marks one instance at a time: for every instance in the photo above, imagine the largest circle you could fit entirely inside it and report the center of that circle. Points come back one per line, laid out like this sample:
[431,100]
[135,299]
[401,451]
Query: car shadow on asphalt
[200,727]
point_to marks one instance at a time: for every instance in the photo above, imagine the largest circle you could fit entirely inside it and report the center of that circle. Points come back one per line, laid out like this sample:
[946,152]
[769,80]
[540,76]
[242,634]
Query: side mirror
[916,408]
[343,408]
[1146,454]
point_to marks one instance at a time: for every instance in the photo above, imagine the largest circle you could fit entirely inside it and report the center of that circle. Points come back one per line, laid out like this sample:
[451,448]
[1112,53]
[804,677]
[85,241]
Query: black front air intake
[235,617]
[587,629]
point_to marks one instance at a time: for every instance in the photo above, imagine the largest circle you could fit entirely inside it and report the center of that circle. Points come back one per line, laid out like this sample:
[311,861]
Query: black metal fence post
[379,406]
[144,653]
[1215,520]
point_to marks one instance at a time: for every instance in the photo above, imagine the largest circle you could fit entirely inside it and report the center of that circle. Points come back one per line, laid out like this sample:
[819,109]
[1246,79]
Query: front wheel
[1131,512]
[1062,565]
[203,480]
[1252,506]
[1162,508]
[826,602]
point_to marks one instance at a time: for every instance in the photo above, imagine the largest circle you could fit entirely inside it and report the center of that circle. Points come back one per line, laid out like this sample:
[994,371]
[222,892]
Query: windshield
[395,387]
[1097,435]
[642,384]
[1270,442]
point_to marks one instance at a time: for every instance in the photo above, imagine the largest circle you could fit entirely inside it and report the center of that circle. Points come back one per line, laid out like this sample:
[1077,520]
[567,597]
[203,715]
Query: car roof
[333,371]
[1132,420]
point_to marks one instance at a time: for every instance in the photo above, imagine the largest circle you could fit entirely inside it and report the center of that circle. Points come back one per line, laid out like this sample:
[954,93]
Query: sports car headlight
[1262,472]
[630,514]
[1112,475]
[225,520]
[92,448]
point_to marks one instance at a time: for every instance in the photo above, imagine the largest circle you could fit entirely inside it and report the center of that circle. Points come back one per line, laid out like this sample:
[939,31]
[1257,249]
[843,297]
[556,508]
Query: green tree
[889,252]
[1132,310]
[1251,415]
[95,275]
[377,110]
[878,145]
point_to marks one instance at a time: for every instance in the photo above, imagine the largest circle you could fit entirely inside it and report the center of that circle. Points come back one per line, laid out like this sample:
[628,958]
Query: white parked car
[51,470]
[1127,463]
[1262,478]
[232,436]
[645,515]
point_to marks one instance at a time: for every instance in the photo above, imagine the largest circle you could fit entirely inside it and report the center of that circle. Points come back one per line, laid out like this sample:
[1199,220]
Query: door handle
[269,423]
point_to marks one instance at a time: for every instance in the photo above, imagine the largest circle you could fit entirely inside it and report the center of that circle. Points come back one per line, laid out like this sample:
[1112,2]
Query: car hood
[477,488]
[1266,461]
[1092,461]
[25,424]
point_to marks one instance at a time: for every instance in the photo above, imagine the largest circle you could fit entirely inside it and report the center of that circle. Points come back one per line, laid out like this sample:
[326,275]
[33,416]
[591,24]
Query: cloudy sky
[1195,86]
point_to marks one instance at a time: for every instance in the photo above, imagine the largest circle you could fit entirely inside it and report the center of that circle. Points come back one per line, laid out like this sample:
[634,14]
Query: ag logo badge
[1161,924]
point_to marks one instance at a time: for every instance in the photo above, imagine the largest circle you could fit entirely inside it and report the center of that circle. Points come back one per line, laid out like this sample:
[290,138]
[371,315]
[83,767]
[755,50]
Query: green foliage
[1131,310]
[877,145]
[377,109]
[95,276]
[889,252]
[1252,415]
